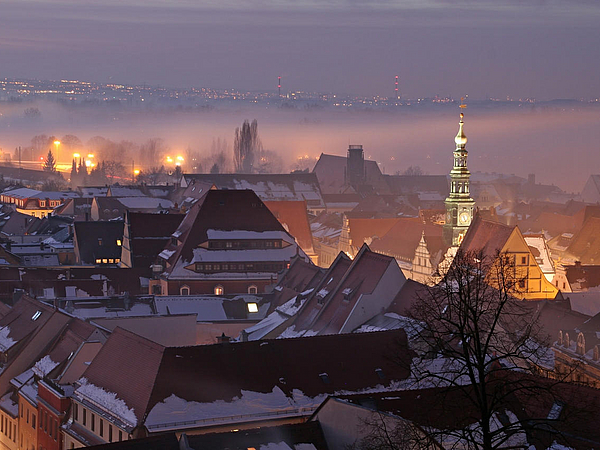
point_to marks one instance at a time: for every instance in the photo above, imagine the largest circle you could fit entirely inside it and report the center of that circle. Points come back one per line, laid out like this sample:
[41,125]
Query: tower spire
[459,204]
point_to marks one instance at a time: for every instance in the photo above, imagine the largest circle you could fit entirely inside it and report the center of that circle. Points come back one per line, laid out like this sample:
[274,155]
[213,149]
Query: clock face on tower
[464,218]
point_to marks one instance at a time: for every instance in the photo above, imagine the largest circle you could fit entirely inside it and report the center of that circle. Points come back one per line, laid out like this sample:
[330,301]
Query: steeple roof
[461,138]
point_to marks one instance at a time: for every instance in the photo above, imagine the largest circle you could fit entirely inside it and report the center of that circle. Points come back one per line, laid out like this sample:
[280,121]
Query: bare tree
[481,346]
[381,431]
[246,147]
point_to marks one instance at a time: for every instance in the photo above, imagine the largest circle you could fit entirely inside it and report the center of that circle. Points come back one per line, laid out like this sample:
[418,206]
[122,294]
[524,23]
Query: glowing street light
[169,159]
[56,143]
[76,155]
[136,172]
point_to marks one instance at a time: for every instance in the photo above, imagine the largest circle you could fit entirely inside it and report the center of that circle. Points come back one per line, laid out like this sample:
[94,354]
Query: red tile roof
[485,235]
[127,365]
[294,217]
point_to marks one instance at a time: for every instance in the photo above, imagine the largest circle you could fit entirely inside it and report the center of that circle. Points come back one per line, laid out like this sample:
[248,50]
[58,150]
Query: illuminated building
[459,204]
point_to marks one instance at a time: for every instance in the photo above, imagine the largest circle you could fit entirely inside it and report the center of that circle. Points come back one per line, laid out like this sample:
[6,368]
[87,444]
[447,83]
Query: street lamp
[56,143]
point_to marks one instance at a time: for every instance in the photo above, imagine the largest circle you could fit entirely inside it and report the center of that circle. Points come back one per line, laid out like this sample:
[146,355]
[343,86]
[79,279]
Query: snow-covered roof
[249,406]
[108,401]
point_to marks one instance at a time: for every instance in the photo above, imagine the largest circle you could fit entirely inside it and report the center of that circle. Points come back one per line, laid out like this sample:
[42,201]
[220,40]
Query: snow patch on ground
[44,366]
[107,400]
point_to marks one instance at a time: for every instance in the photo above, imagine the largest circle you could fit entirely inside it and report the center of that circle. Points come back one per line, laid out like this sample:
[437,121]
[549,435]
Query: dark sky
[545,49]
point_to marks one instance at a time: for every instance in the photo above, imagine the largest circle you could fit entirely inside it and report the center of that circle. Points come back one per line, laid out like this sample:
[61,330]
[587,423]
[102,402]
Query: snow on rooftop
[291,307]
[291,332]
[166,254]
[44,366]
[173,410]
[5,341]
[107,400]
[8,405]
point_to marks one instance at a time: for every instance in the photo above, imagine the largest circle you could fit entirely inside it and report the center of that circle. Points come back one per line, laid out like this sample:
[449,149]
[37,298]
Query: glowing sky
[545,49]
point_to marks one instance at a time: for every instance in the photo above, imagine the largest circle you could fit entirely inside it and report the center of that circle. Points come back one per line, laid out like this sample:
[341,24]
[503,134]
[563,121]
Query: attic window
[99,241]
[119,242]
[37,315]
[252,307]
[325,378]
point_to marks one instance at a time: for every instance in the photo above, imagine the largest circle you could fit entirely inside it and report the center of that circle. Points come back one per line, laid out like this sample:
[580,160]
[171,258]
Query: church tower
[459,204]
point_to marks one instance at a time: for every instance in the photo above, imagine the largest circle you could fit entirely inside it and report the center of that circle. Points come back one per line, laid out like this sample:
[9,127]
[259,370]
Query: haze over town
[299,225]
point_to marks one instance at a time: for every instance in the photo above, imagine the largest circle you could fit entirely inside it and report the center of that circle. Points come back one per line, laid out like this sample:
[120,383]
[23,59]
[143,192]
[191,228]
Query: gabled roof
[269,187]
[26,316]
[585,246]
[328,284]
[98,240]
[331,170]
[404,237]
[362,230]
[196,377]
[127,365]
[362,277]
[293,216]
[149,234]
[486,236]
[225,210]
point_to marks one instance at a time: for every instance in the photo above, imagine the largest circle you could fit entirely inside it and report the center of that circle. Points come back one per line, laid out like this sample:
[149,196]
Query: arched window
[580,344]
[219,290]
[252,289]
[184,290]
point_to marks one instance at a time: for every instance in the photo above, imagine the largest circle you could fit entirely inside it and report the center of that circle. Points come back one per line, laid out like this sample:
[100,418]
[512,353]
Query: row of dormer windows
[245,244]
[240,267]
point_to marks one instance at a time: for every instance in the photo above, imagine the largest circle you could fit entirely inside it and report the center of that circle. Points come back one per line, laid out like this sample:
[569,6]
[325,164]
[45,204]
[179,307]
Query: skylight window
[252,307]
[37,315]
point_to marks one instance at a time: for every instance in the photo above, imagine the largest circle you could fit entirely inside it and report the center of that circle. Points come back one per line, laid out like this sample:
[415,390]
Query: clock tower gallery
[459,204]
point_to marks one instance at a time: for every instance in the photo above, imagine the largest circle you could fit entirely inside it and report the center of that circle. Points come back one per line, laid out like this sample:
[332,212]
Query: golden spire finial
[460,138]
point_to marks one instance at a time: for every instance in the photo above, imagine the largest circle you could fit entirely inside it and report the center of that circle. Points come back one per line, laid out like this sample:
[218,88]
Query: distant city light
[76,155]
[136,172]
[90,155]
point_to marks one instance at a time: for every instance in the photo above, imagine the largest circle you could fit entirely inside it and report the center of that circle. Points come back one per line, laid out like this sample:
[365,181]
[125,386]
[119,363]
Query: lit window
[117,260]
[98,261]
[111,261]
[119,242]
[105,261]
[252,307]
[219,290]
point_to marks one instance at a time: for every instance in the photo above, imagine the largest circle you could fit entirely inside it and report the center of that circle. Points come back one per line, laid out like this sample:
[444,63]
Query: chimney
[223,339]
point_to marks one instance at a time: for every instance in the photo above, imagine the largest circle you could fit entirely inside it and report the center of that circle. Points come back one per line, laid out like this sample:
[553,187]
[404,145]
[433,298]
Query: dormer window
[252,307]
